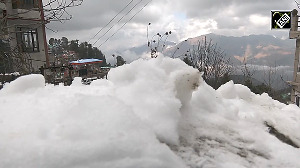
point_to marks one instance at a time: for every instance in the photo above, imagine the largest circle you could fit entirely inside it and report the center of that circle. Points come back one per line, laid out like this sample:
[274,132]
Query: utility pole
[295,34]
[44,32]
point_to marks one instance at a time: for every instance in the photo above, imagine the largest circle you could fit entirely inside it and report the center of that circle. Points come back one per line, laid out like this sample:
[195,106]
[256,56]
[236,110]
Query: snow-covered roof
[86,61]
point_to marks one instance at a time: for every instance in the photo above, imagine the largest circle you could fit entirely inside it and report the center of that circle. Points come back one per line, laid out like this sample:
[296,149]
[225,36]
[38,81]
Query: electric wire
[125,23]
[117,22]
[111,20]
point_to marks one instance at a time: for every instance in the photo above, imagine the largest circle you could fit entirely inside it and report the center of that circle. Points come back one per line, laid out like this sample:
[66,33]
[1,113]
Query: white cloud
[196,27]
[227,17]
[259,20]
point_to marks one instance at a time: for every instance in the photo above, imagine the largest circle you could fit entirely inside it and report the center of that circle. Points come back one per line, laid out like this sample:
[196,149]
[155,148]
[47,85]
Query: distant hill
[256,49]
[139,50]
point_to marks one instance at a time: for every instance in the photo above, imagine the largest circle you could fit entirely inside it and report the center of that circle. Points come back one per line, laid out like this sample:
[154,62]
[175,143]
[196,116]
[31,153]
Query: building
[23,25]
[295,34]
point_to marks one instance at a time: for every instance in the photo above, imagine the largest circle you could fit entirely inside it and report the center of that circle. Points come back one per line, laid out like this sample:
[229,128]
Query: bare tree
[248,72]
[270,75]
[159,44]
[208,58]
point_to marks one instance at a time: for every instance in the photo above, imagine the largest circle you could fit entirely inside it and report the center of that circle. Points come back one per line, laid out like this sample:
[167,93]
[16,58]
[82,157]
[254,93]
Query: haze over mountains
[255,49]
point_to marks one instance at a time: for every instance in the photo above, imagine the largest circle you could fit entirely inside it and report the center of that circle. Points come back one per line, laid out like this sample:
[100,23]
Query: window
[28,39]
[3,25]
[25,4]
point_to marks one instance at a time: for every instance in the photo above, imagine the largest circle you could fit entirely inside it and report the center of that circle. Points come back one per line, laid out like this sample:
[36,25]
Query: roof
[85,61]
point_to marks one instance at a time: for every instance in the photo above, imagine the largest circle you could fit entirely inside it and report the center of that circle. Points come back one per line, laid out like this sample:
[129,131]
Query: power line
[125,23]
[111,20]
[117,22]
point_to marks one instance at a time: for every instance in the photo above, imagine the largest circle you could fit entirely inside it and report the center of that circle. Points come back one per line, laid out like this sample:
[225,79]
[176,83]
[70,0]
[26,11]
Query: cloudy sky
[185,18]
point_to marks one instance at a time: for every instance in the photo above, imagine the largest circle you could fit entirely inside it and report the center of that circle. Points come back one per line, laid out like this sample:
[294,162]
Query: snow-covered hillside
[155,113]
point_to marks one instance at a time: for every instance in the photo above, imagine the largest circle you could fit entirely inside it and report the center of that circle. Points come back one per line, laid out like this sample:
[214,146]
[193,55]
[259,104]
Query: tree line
[84,50]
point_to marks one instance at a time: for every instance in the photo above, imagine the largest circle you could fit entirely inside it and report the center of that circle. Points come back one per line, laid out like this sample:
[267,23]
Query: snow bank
[226,128]
[119,122]
[25,83]
[156,89]
[150,113]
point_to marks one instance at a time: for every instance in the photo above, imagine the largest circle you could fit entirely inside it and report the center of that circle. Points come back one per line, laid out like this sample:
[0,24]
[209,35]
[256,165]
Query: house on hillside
[22,24]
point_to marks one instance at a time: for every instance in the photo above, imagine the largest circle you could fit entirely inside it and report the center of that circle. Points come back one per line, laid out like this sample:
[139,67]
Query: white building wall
[30,19]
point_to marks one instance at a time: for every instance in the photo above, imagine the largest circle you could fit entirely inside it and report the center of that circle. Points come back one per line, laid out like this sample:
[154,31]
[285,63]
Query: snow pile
[24,83]
[156,89]
[226,128]
[150,113]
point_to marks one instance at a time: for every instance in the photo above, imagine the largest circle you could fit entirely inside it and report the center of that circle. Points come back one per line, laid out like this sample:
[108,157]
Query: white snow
[150,113]
[14,73]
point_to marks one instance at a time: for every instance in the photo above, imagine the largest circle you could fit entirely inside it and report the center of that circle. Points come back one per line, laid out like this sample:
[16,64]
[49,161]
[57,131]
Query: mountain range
[254,49]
